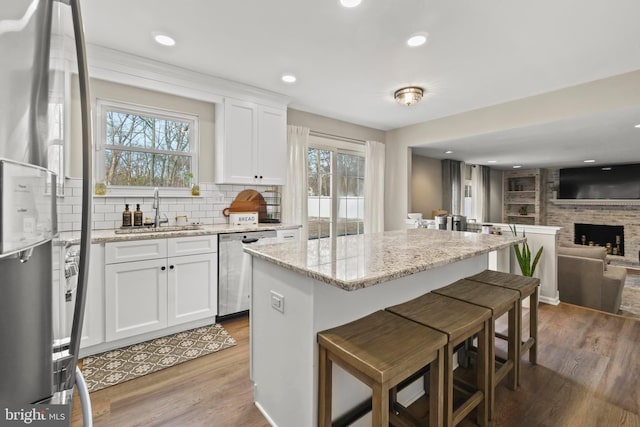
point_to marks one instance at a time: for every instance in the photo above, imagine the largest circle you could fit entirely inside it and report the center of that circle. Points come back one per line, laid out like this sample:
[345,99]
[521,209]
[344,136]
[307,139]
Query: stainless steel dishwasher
[234,271]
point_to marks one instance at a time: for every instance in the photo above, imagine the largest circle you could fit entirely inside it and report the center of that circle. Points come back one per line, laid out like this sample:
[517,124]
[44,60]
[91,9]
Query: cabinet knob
[171,267]
[255,176]
[260,176]
[163,268]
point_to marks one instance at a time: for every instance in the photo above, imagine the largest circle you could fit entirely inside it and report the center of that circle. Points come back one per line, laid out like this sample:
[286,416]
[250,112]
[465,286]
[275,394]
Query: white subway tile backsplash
[107,211]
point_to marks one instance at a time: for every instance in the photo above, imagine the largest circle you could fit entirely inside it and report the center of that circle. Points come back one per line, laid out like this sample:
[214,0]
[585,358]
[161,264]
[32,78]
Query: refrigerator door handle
[87,178]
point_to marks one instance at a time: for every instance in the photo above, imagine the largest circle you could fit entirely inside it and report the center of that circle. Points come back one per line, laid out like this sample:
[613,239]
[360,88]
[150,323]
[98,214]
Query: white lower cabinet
[289,235]
[159,289]
[190,294]
[93,325]
[136,298]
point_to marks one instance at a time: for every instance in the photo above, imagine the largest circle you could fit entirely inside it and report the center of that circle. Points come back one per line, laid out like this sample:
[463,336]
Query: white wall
[602,95]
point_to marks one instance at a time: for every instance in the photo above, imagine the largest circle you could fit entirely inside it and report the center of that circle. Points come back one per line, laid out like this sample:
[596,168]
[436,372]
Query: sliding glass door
[336,192]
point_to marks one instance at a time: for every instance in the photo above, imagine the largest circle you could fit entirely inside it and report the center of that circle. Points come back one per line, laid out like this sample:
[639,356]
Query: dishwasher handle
[250,240]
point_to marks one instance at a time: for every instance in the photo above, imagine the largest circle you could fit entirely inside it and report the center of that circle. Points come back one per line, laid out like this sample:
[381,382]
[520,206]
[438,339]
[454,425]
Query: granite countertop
[103,236]
[356,262]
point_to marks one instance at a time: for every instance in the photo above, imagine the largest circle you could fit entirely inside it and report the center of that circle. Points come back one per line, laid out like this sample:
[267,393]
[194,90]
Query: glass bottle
[126,217]
[137,216]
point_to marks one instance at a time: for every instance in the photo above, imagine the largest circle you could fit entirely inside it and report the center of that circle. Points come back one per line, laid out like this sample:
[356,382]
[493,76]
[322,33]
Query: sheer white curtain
[480,193]
[463,183]
[477,190]
[294,193]
[374,187]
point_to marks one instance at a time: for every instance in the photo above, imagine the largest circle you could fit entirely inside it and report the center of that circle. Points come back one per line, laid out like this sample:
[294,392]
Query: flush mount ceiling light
[589,161]
[408,95]
[448,152]
[517,166]
[164,39]
[492,161]
[637,126]
[350,3]
[417,40]
[289,78]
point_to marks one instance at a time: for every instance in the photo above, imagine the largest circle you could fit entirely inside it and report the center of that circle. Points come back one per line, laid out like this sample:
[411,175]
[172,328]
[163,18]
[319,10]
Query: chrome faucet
[156,205]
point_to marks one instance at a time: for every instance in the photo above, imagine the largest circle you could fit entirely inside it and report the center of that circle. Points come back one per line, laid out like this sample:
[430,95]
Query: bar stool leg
[533,327]
[491,364]
[448,386]
[483,372]
[380,405]
[436,383]
[325,388]
[514,340]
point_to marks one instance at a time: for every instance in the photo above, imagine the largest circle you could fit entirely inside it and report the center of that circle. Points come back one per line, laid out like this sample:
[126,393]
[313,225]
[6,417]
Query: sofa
[586,279]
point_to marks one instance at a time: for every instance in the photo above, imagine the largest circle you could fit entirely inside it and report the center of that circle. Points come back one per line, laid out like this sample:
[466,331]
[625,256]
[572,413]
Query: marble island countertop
[102,236]
[356,262]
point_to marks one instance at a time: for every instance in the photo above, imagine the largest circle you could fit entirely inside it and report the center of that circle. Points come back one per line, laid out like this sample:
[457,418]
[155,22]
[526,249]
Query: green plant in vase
[195,188]
[523,255]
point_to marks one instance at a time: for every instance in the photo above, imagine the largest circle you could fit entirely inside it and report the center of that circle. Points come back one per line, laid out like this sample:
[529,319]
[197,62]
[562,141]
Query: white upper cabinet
[251,144]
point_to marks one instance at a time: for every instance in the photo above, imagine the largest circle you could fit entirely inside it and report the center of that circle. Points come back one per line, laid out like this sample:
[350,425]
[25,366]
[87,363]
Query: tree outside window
[147,148]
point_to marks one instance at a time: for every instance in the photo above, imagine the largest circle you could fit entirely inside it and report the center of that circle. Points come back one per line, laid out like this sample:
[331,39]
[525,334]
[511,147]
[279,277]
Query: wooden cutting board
[249,195]
[248,201]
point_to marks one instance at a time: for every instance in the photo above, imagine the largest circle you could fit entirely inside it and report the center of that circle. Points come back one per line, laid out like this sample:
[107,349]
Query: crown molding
[120,67]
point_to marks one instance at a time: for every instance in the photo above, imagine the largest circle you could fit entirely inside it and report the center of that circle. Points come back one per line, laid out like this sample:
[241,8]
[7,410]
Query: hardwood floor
[213,390]
[587,375]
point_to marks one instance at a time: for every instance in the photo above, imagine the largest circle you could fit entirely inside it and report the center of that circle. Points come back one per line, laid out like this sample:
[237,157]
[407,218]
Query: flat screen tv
[600,182]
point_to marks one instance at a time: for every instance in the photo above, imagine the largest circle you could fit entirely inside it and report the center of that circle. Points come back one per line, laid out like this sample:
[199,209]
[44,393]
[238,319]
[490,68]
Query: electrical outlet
[277,301]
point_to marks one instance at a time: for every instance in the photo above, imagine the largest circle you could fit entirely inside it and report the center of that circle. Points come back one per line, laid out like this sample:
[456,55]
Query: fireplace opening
[609,236]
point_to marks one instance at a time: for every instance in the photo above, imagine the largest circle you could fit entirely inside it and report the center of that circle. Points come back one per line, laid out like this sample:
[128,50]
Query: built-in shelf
[597,202]
[523,188]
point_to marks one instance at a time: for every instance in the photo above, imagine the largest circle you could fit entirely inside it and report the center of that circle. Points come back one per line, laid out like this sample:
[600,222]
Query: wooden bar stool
[528,287]
[499,301]
[459,320]
[382,350]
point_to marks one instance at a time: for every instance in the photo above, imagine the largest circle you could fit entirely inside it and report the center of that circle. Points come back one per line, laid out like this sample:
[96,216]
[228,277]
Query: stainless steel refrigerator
[33,132]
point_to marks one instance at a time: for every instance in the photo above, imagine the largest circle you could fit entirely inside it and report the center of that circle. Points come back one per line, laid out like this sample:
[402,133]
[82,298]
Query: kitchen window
[141,147]
[336,189]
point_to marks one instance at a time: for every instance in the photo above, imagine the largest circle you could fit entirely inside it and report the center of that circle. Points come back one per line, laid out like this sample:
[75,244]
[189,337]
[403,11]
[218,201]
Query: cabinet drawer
[135,250]
[288,235]
[192,245]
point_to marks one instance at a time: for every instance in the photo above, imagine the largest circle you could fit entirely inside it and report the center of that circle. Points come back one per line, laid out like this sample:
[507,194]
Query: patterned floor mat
[117,366]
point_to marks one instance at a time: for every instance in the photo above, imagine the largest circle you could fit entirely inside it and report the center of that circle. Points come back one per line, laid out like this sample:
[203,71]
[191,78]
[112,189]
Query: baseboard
[547,300]
[265,415]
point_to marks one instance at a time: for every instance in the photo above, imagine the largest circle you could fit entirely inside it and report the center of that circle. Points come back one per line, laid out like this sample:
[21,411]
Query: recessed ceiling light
[492,161]
[164,39]
[608,168]
[350,3]
[637,126]
[517,166]
[589,161]
[417,40]
[289,78]
[448,152]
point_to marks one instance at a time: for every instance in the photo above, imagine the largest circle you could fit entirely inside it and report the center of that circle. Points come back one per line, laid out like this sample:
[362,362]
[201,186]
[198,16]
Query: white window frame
[104,105]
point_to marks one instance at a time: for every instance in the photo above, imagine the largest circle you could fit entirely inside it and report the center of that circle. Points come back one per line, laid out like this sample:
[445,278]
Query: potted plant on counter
[523,255]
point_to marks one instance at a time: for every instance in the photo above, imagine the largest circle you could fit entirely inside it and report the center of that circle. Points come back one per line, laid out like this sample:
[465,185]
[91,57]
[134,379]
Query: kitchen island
[301,288]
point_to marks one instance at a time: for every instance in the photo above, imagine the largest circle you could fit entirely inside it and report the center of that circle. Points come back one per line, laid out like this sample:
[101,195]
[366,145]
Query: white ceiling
[350,61]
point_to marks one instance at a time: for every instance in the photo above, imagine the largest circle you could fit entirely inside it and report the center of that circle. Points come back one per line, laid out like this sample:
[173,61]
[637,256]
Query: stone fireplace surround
[564,215]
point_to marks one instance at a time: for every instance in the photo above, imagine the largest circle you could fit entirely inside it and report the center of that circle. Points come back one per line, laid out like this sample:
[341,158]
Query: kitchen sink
[135,230]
